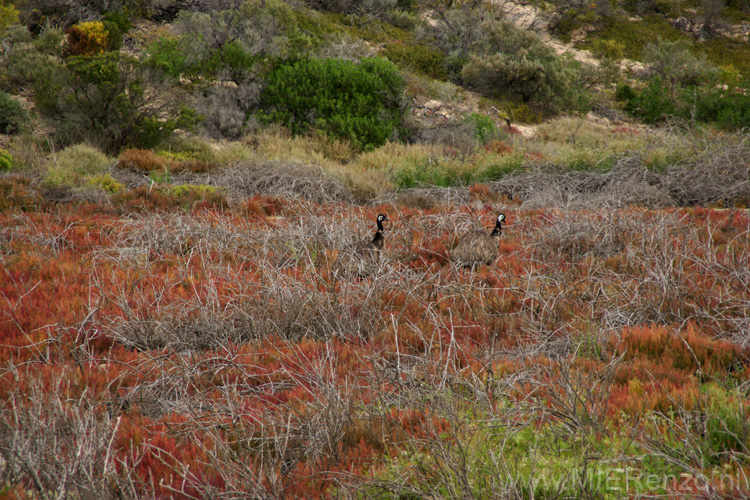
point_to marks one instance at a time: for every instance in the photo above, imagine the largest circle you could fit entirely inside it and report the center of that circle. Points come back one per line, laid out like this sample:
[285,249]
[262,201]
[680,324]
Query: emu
[475,247]
[362,260]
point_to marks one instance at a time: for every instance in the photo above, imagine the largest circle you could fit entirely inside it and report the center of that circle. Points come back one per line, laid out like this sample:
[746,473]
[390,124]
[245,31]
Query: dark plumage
[362,259]
[475,248]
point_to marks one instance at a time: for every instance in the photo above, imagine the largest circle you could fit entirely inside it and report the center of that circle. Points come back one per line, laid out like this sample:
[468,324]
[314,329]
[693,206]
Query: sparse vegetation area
[181,181]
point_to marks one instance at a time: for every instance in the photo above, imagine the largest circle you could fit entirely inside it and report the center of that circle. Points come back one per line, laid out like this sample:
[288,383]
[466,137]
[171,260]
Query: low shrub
[16,192]
[148,199]
[728,108]
[141,161]
[112,100]
[484,127]
[106,183]
[633,36]
[361,103]
[8,16]
[116,23]
[418,58]
[74,164]
[86,39]
[6,161]
[13,116]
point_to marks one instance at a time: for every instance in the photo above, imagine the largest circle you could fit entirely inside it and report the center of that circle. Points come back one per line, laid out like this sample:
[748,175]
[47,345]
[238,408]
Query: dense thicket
[362,103]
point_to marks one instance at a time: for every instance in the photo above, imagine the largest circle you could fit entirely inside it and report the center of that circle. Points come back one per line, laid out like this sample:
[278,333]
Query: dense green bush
[112,100]
[75,164]
[418,58]
[633,36]
[13,116]
[484,127]
[361,102]
[675,64]
[8,16]
[651,104]
[727,107]
[6,161]
[223,45]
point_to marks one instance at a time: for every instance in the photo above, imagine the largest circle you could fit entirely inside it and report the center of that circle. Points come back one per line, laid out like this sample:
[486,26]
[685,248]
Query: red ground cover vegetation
[158,351]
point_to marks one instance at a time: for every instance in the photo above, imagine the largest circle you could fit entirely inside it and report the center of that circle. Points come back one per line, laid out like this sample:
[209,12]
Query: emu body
[475,248]
[363,259]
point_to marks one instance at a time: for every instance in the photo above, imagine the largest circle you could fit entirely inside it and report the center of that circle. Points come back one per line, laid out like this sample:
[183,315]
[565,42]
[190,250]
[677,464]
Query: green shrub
[13,116]
[106,183]
[725,52]
[484,127]
[26,64]
[418,58]
[6,161]
[728,108]
[110,99]
[611,49]
[674,63]
[51,41]
[224,45]
[653,103]
[74,164]
[633,36]
[361,103]
[8,16]
[540,78]
[116,23]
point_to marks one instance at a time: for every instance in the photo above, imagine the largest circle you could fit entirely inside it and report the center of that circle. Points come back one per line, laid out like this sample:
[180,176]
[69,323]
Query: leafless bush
[459,135]
[425,198]
[718,176]
[59,444]
[224,107]
[629,182]
[154,236]
[283,179]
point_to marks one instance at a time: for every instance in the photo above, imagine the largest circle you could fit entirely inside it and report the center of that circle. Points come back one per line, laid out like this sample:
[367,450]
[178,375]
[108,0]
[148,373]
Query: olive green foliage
[683,85]
[573,18]
[26,63]
[74,165]
[8,15]
[611,49]
[674,63]
[418,58]
[361,103]
[13,116]
[117,23]
[223,45]
[106,183]
[727,107]
[111,99]
[728,53]
[484,127]
[633,36]
[6,161]
[489,55]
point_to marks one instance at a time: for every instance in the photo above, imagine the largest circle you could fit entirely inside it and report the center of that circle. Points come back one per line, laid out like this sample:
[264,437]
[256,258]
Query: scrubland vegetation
[177,180]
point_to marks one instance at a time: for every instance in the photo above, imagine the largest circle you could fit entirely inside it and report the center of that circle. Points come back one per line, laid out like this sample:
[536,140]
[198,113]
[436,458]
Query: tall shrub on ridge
[361,102]
[110,99]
